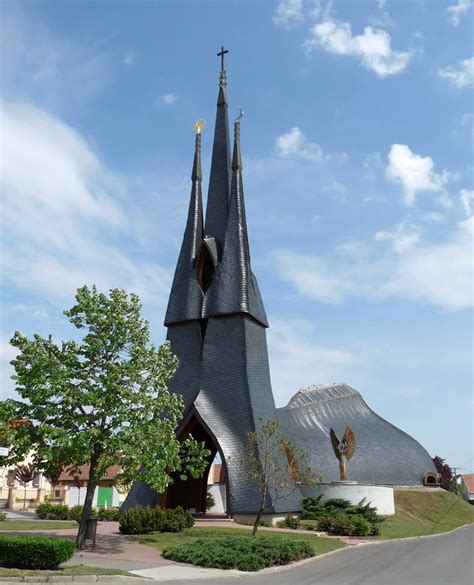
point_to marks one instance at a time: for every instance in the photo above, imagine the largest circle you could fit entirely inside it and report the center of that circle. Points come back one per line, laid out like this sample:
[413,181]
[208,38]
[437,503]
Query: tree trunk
[86,511]
[24,500]
[259,515]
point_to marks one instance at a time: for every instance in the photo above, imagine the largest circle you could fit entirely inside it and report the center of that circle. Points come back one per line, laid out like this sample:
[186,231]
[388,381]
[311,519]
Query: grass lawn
[75,570]
[419,513]
[162,540]
[36,525]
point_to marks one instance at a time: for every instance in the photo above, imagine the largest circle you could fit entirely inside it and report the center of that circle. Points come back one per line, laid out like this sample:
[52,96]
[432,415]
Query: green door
[105,497]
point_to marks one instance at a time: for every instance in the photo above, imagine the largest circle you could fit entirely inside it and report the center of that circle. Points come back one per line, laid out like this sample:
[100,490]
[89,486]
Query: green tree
[274,464]
[101,400]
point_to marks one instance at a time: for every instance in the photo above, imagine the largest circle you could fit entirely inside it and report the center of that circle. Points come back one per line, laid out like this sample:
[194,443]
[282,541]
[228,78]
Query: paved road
[442,560]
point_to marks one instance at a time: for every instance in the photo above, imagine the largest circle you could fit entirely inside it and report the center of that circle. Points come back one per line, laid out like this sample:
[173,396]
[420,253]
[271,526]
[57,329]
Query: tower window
[205,267]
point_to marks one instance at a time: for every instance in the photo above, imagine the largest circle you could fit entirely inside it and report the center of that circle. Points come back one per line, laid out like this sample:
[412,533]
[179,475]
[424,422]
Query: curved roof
[384,453]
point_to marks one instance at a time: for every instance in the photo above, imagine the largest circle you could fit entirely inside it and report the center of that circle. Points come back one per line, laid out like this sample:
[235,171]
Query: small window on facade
[57,493]
[36,480]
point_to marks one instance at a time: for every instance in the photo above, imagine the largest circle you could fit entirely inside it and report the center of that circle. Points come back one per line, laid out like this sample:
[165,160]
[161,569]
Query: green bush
[210,501]
[75,513]
[176,520]
[146,520]
[346,525]
[34,552]
[315,508]
[289,522]
[245,553]
[140,520]
[47,511]
[3,516]
[108,514]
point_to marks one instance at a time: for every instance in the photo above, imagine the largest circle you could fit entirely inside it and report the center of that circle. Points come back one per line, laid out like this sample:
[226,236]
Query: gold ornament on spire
[199,125]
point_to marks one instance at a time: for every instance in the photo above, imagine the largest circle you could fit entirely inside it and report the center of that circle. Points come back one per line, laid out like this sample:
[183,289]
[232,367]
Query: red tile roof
[83,474]
[469,481]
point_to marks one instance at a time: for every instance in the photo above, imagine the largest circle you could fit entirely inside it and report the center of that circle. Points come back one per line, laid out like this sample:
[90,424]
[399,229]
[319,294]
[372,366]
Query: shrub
[210,501]
[176,520]
[146,520]
[48,511]
[140,520]
[245,553]
[75,513]
[289,522]
[108,514]
[3,516]
[34,552]
[346,525]
[315,508]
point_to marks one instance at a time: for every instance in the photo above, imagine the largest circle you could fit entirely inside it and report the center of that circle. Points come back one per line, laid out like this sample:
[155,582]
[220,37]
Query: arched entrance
[191,494]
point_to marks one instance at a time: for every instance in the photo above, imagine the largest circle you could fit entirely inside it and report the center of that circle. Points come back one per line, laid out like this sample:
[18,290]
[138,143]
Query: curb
[72,579]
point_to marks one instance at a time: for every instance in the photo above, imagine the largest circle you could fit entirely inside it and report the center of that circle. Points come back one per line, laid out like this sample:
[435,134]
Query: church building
[216,324]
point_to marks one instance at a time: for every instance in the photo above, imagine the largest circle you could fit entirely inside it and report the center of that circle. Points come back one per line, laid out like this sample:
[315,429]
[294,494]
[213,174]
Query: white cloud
[440,274]
[373,47]
[457,11]
[130,59]
[404,236]
[295,143]
[413,172]
[288,13]
[60,218]
[296,361]
[168,98]
[312,276]
[461,76]
[467,200]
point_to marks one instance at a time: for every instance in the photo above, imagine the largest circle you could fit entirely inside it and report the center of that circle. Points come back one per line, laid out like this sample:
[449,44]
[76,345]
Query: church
[216,324]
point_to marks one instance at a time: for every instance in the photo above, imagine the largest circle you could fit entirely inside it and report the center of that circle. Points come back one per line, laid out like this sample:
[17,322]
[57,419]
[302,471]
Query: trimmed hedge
[146,520]
[347,525]
[245,553]
[108,514]
[34,552]
[47,511]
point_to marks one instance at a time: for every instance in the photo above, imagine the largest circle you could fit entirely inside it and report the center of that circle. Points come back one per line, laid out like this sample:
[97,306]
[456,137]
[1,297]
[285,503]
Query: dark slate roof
[185,302]
[384,454]
[234,288]
[219,180]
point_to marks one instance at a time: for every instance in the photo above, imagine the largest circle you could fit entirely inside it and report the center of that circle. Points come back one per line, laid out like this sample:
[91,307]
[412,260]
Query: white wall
[379,496]
[218,491]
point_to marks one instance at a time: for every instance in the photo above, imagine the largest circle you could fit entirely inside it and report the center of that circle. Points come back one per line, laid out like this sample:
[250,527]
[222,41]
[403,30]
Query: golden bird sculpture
[343,449]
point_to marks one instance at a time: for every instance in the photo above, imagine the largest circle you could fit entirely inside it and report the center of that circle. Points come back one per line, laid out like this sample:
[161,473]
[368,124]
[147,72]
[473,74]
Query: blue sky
[357,145]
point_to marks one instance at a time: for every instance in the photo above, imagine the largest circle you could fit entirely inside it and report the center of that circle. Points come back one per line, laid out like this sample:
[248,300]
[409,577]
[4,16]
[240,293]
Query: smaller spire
[236,158]
[197,171]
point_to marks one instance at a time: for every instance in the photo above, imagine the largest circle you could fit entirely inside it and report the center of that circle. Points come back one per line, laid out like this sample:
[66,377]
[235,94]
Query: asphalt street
[440,560]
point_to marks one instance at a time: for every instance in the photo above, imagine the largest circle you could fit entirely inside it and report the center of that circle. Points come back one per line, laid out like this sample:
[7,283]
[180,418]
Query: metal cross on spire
[221,55]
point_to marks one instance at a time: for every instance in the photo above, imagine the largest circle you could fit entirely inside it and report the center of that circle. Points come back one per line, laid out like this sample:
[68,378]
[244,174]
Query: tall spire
[234,288]
[219,181]
[185,302]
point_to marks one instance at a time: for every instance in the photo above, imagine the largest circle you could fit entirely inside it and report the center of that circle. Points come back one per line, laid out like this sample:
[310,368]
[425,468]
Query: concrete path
[20,514]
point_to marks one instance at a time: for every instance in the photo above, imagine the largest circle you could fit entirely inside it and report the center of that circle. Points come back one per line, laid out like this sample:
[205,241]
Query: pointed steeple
[219,181]
[234,289]
[185,302]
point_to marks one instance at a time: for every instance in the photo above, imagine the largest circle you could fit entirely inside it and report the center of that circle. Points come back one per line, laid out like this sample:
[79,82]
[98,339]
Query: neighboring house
[467,487]
[216,486]
[12,493]
[72,488]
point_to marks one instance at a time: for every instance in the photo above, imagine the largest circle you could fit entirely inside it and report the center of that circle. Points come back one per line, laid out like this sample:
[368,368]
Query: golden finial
[199,125]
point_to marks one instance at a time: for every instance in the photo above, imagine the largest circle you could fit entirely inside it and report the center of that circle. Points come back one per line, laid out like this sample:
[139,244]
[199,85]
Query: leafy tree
[445,471]
[102,400]
[24,474]
[274,464]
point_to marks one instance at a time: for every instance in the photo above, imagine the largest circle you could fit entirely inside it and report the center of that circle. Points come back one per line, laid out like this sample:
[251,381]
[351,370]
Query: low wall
[379,496]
